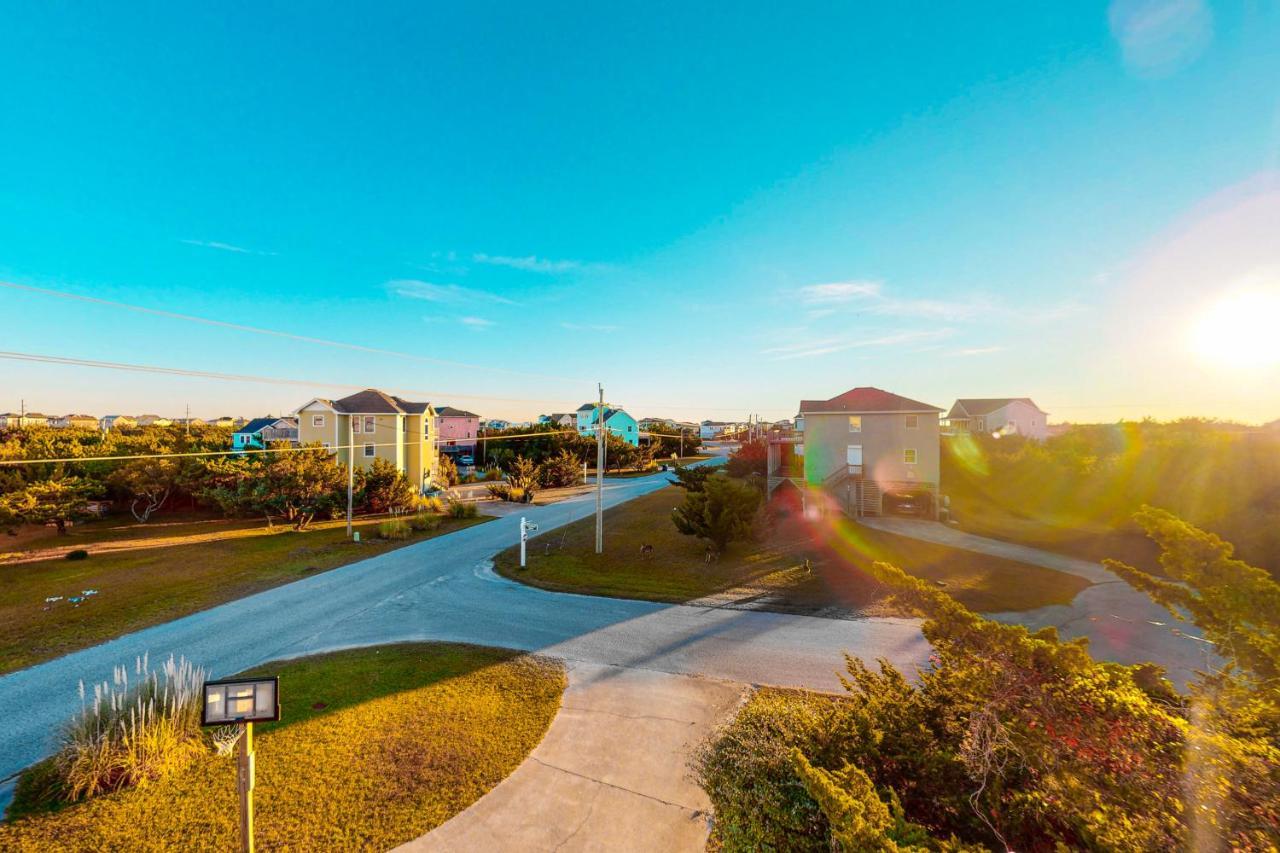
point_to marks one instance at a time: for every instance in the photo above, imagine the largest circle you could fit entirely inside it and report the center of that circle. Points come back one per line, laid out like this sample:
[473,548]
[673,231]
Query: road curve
[443,589]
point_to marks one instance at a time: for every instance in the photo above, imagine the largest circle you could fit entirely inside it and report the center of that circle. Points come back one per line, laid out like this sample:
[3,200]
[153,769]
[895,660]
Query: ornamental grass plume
[127,734]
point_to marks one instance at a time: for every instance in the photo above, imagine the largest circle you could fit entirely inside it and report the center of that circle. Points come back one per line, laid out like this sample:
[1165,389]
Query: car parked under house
[870,450]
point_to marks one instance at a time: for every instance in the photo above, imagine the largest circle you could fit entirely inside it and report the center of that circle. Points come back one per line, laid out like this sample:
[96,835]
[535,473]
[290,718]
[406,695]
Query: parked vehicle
[465,460]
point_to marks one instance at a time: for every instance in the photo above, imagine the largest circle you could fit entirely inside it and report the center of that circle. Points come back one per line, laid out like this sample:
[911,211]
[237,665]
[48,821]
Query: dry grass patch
[376,747]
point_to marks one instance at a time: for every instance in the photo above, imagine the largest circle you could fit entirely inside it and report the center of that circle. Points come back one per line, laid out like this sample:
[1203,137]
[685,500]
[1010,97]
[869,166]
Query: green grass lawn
[772,565]
[375,747]
[148,586]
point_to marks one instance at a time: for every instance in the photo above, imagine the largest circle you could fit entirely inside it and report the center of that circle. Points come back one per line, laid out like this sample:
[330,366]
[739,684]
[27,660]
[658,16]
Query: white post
[524,538]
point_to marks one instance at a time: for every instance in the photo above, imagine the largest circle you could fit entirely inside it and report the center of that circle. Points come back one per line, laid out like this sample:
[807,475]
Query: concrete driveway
[443,589]
[1122,624]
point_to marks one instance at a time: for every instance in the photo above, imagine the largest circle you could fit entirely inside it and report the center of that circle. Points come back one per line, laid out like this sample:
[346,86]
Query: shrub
[750,458]
[560,471]
[724,510]
[394,528]
[448,470]
[492,474]
[432,504]
[692,478]
[425,521]
[78,554]
[127,735]
[462,509]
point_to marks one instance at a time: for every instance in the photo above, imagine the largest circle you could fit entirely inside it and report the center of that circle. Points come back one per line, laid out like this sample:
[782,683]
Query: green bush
[425,521]
[462,509]
[394,528]
[747,770]
[78,554]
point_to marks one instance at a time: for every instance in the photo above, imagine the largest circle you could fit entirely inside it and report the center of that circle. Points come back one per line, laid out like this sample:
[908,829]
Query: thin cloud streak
[477,323]
[451,294]
[530,263]
[826,346]
[961,353]
[226,247]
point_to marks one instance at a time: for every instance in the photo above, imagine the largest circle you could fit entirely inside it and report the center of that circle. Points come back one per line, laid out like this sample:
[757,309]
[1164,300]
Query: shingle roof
[867,400]
[451,412]
[256,425]
[976,406]
[586,406]
[371,401]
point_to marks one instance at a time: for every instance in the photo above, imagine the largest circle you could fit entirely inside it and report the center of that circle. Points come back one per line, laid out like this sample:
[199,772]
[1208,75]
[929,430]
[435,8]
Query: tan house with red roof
[377,426]
[870,449]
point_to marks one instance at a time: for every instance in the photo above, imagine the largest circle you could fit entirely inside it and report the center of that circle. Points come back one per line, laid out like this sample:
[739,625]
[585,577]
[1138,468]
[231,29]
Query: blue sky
[715,211]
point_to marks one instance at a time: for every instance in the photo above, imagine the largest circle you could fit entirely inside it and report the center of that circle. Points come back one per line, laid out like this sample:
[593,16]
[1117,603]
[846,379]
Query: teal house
[616,421]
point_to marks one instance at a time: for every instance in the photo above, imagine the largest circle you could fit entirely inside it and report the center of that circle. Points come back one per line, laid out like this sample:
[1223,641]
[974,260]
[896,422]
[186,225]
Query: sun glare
[1241,330]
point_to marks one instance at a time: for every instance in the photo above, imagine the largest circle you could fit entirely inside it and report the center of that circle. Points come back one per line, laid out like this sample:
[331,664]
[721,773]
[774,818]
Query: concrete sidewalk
[588,787]
[1121,623]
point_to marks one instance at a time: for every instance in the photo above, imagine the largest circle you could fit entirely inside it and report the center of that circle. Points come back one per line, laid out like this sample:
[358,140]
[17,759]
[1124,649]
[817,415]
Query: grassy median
[773,566]
[185,573]
[375,747]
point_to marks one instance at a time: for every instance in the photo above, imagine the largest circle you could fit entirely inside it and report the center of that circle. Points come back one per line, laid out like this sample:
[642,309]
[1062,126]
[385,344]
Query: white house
[999,416]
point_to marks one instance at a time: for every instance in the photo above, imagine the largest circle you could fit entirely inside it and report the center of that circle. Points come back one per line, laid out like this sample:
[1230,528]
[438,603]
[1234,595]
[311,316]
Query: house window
[368,450]
[325,445]
[355,425]
[369,424]
[979,425]
[855,423]
[799,450]
[317,420]
[909,456]
[913,421]
[799,424]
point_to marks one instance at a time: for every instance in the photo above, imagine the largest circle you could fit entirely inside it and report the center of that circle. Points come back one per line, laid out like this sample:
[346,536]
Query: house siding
[883,439]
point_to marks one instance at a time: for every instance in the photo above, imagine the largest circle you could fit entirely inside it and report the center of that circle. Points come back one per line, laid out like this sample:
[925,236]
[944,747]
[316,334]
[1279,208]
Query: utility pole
[600,472]
[188,420]
[351,469]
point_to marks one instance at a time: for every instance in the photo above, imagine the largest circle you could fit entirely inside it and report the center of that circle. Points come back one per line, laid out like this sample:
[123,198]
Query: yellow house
[378,426]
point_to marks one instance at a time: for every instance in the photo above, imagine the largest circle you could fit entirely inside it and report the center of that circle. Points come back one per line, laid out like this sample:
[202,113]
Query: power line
[237,377]
[258,330]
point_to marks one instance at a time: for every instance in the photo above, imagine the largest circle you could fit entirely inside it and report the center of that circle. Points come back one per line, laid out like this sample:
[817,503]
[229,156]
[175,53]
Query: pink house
[456,430]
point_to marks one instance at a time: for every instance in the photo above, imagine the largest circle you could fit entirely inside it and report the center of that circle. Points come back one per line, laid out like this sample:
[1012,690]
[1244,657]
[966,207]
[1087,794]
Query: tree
[300,485]
[722,511]
[148,482]
[559,471]
[448,470]
[692,478]
[750,458]
[386,488]
[58,501]
[666,441]
[1236,739]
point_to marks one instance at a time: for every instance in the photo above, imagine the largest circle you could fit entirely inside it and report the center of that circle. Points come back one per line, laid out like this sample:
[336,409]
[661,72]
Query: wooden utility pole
[351,469]
[600,472]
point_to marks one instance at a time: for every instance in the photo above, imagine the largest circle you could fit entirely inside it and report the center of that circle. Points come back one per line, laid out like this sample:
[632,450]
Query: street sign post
[242,702]
[526,527]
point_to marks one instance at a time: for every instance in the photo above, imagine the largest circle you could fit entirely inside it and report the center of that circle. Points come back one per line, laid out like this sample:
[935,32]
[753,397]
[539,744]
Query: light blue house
[616,421]
[260,432]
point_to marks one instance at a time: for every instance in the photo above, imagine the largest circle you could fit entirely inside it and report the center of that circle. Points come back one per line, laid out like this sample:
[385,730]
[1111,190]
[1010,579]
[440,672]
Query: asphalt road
[443,589]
